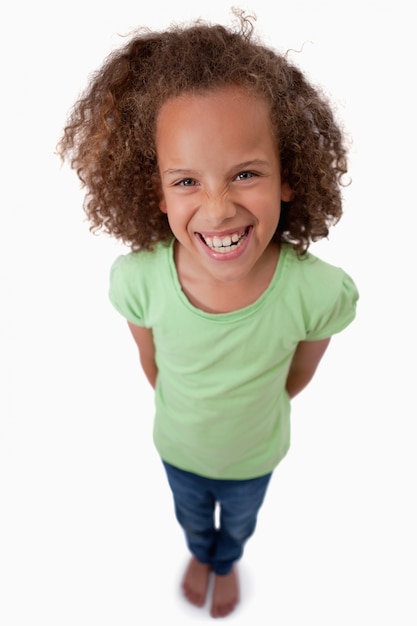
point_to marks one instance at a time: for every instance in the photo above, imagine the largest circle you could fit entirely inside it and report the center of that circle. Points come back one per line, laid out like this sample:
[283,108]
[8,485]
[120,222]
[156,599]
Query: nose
[216,209]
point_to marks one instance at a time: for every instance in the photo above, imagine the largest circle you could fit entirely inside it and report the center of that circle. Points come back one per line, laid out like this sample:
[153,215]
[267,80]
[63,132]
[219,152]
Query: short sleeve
[337,308]
[124,291]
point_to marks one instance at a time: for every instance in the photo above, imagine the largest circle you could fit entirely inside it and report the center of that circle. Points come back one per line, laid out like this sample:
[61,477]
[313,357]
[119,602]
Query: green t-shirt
[221,407]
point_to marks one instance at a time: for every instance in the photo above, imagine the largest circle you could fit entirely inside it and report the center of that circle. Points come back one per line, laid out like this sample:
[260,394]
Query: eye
[245,175]
[186,182]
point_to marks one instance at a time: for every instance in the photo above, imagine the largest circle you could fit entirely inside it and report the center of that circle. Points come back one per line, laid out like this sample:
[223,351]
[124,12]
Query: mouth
[225,243]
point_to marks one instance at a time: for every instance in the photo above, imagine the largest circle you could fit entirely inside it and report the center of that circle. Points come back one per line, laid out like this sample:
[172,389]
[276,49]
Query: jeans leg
[194,509]
[240,502]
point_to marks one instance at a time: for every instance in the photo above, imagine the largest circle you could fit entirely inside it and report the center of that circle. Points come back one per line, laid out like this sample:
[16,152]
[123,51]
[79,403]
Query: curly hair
[109,138]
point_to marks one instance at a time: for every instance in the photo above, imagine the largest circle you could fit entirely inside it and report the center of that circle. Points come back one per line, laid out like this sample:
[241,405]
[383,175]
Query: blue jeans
[195,499]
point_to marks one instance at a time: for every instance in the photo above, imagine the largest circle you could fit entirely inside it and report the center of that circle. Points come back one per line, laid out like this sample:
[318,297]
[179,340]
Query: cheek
[268,205]
[178,207]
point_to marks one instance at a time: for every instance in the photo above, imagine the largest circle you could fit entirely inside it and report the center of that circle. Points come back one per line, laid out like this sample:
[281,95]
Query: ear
[163,205]
[158,191]
[287,193]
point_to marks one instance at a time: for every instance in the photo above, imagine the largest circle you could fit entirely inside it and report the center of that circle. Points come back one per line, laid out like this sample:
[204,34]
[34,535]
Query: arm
[144,341]
[304,364]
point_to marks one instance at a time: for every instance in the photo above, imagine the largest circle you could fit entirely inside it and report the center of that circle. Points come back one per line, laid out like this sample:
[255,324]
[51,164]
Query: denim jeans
[195,500]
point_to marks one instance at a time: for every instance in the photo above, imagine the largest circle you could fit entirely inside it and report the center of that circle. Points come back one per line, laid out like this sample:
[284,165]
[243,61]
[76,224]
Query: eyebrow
[238,166]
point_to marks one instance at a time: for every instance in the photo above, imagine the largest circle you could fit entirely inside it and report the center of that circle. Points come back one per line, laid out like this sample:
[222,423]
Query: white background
[87,531]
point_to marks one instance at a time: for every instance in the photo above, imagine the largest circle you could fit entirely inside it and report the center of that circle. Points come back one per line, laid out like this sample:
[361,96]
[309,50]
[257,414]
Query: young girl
[217,162]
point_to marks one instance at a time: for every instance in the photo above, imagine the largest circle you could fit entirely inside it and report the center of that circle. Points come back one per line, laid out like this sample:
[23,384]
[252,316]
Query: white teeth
[224,244]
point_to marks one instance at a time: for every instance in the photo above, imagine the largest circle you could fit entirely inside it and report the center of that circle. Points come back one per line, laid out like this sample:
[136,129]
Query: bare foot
[225,594]
[195,582]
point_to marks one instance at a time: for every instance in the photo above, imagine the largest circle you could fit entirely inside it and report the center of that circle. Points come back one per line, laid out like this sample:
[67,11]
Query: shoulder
[134,277]
[314,274]
[328,295]
[308,264]
[129,264]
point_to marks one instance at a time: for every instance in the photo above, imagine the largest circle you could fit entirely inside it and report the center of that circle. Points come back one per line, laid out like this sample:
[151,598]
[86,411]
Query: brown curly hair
[109,138]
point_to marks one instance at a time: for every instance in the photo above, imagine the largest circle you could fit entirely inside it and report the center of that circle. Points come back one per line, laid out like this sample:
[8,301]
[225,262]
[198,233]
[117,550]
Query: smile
[226,243]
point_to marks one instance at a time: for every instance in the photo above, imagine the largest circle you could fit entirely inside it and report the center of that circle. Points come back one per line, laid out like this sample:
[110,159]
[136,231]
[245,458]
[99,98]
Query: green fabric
[221,408]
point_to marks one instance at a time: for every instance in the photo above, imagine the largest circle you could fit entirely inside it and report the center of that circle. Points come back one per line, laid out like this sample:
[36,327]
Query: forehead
[218,109]
[214,131]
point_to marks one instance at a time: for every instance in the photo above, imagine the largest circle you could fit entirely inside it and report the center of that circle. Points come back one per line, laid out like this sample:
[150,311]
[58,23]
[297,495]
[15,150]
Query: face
[221,185]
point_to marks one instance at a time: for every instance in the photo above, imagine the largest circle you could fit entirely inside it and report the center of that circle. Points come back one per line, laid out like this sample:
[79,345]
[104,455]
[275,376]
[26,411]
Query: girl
[217,163]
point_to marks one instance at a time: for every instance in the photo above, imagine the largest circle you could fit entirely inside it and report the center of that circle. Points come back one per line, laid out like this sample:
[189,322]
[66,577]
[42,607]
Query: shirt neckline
[250,309]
